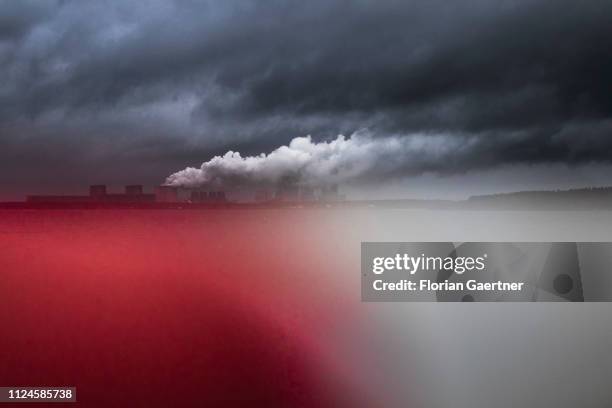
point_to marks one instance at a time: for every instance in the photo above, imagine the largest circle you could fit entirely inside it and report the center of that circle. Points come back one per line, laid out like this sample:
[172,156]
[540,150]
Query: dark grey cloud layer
[103,87]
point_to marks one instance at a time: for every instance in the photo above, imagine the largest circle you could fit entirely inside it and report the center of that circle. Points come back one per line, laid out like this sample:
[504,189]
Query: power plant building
[166,194]
[97,194]
[208,197]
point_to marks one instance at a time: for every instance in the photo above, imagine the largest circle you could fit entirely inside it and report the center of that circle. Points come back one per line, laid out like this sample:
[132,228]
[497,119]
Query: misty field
[263,308]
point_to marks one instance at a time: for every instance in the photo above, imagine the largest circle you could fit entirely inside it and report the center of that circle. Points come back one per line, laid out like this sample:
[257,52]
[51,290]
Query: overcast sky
[132,91]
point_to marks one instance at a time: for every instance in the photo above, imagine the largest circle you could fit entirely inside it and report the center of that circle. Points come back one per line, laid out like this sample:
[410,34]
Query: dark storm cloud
[517,81]
[17,17]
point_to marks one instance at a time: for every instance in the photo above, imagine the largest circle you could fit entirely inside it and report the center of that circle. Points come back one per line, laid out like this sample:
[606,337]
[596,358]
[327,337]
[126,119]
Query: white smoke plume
[358,158]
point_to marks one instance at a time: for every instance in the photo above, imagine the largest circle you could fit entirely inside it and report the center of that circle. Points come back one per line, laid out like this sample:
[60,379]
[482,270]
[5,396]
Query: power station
[170,196]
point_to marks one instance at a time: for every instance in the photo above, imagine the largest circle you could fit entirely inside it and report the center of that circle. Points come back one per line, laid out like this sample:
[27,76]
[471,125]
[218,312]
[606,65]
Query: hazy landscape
[232,304]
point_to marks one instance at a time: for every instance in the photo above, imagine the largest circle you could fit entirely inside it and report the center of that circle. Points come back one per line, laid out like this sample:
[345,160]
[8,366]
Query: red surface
[175,308]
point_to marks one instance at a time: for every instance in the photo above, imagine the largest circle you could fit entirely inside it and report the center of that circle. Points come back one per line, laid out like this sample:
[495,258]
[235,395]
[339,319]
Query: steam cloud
[358,158]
